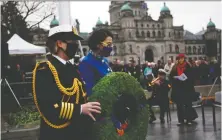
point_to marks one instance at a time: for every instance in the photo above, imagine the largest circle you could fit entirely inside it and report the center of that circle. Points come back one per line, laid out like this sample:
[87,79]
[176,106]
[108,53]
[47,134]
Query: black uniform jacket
[53,108]
[182,91]
[160,92]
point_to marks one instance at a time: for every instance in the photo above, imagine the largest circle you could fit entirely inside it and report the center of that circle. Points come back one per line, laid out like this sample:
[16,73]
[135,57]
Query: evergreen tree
[13,22]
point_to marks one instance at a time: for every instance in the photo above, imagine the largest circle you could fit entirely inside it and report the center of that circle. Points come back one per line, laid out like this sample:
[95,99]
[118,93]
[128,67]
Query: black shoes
[180,123]
[162,121]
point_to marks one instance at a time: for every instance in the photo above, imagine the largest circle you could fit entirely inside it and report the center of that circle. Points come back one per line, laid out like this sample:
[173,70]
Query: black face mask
[71,49]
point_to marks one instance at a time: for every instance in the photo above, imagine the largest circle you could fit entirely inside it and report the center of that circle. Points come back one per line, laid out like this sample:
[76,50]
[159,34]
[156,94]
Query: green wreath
[108,92]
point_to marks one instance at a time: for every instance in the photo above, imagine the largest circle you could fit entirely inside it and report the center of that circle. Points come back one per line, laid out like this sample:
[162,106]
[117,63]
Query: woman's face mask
[107,47]
[71,49]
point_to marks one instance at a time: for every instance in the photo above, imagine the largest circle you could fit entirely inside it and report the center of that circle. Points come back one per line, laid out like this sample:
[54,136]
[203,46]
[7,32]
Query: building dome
[54,22]
[99,22]
[126,7]
[165,8]
[210,24]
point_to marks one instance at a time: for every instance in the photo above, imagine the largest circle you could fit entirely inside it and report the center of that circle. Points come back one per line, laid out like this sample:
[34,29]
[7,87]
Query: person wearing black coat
[160,88]
[135,71]
[59,92]
[183,90]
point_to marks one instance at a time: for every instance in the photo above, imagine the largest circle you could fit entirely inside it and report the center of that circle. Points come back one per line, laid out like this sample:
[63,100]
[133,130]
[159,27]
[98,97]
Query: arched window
[199,50]
[147,25]
[117,36]
[170,48]
[154,34]
[130,36]
[142,25]
[130,49]
[177,49]
[143,34]
[159,34]
[194,49]
[158,25]
[162,48]
[153,25]
[135,13]
[148,34]
[178,34]
[169,34]
[137,33]
[138,49]
[189,50]
[203,50]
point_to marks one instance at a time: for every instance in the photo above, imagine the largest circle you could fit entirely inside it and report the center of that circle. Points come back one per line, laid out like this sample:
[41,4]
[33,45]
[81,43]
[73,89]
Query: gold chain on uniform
[67,91]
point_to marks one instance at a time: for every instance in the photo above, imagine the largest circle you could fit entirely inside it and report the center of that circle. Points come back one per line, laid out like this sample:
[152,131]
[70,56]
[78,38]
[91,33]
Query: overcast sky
[193,15]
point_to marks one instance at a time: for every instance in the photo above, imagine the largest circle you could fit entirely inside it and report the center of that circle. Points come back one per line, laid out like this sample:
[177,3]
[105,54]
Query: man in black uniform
[59,92]
[135,70]
[160,88]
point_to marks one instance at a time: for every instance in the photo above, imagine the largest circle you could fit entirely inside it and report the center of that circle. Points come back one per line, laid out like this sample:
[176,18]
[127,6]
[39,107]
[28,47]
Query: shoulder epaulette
[42,65]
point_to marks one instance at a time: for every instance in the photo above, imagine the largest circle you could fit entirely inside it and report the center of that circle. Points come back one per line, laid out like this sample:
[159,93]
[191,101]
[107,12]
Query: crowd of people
[204,72]
[180,76]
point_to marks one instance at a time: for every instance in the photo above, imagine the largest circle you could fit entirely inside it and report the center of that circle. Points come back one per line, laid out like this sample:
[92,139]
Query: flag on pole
[75,31]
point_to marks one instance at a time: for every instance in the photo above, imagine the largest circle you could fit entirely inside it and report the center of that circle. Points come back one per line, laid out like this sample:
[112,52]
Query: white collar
[60,59]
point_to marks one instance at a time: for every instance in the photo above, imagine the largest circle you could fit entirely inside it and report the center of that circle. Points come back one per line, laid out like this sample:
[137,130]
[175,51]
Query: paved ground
[197,131]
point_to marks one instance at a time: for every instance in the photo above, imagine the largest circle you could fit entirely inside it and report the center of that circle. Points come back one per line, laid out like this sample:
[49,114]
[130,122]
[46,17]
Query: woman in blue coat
[94,66]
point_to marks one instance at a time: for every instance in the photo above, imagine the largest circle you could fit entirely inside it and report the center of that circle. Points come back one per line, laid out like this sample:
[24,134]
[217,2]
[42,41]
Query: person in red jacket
[182,80]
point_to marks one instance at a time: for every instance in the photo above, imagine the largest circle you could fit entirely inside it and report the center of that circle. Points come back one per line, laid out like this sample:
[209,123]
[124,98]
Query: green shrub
[106,92]
[25,116]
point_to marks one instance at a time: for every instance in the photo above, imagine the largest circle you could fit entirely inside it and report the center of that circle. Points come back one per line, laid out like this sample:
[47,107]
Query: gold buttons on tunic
[56,105]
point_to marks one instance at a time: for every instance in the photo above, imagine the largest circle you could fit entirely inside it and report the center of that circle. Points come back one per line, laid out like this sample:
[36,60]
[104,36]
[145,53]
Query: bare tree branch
[45,17]
[27,12]
[34,8]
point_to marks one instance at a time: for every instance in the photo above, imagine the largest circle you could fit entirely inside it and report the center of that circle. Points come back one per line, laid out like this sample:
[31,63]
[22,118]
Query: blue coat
[92,69]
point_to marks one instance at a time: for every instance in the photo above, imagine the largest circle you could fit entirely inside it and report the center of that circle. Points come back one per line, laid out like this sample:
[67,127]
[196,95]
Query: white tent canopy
[17,45]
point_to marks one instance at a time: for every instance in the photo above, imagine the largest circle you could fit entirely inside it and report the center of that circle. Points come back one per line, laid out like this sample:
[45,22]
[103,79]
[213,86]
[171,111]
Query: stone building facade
[139,37]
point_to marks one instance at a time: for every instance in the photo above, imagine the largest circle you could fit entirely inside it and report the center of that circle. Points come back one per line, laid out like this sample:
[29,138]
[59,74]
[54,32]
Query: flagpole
[65,18]
[64,12]
[81,49]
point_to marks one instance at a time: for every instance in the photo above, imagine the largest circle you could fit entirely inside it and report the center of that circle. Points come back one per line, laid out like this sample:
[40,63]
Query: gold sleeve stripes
[66,110]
